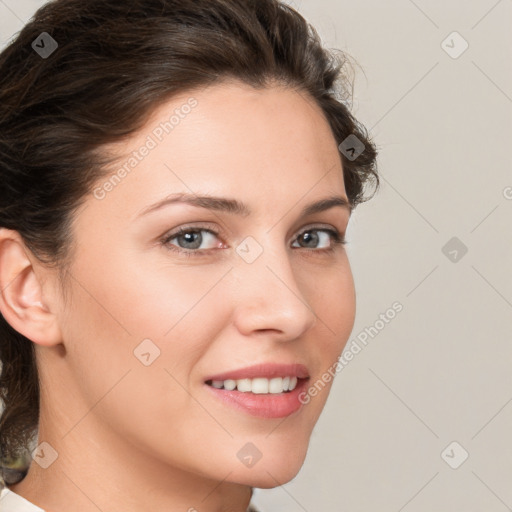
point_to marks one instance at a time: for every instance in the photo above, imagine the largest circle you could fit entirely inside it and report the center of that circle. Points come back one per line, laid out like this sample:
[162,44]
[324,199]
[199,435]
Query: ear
[22,301]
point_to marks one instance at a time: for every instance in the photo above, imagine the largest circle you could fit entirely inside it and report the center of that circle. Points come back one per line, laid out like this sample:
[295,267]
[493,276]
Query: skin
[131,437]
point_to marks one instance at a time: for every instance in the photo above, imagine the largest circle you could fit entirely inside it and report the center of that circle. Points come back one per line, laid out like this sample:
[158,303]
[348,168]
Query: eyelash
[337,240]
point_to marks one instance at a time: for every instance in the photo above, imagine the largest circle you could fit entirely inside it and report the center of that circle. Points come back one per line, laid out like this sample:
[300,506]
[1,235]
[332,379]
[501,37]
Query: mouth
[267,391]
[259,385]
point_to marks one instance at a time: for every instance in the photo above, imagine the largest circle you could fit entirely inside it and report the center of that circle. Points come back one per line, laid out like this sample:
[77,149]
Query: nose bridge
[270,297]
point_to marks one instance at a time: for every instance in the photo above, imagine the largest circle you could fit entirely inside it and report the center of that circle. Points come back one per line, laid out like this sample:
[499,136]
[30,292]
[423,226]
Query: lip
[268,405]
[267,370]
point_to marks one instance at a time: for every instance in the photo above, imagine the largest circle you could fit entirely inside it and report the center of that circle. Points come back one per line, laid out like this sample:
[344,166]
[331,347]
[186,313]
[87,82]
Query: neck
[108,473]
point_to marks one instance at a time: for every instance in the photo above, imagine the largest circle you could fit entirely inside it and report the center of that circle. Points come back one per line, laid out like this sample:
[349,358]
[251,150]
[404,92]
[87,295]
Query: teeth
[259,385]
[244,385]
[230,384]
[275,385]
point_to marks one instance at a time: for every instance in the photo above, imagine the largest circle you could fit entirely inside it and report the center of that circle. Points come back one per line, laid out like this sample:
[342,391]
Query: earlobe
[21,294]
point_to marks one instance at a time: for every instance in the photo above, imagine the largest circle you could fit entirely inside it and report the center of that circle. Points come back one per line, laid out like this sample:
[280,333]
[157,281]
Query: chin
[266,480]
[271,473]
[275,479]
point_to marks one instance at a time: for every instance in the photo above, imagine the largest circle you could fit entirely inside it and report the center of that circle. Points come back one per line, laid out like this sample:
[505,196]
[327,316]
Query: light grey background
[439,372]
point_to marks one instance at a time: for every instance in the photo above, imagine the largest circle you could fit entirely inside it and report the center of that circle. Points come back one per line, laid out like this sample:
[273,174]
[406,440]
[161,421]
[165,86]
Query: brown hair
[114,63]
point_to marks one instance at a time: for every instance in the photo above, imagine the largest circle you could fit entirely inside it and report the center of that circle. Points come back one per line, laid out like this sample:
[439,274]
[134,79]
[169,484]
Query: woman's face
[155,316]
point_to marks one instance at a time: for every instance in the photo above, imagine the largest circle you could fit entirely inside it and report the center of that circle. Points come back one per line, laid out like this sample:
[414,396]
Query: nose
[269,299]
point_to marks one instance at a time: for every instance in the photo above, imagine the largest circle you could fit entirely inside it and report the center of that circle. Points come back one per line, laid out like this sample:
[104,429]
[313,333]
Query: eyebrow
[224,204]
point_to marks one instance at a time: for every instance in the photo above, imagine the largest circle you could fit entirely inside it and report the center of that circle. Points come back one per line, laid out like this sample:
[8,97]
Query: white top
[12,502]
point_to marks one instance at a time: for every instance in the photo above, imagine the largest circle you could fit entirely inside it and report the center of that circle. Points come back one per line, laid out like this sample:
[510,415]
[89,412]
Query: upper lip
[266,370]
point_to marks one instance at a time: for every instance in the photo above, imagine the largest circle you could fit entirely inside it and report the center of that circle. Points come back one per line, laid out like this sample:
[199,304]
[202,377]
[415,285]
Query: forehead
[230,138]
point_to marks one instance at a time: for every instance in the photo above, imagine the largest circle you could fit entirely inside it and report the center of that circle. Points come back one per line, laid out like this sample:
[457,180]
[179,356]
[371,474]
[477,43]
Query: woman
[177,181]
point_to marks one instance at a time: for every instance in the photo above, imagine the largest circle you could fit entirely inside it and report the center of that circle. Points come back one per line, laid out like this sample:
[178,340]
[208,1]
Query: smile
[265,390]
[259,385]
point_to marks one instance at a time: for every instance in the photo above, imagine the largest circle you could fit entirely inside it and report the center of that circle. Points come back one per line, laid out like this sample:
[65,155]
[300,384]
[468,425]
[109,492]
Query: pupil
[311,237]
[189,241]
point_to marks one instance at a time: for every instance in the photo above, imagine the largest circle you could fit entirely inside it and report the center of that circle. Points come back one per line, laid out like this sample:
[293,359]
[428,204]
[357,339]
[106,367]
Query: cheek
[146,297]
[155,323]
[332,297]
[117,307]
[108,321]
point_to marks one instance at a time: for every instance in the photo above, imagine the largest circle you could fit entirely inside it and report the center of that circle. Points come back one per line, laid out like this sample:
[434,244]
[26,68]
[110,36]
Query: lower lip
[278,405]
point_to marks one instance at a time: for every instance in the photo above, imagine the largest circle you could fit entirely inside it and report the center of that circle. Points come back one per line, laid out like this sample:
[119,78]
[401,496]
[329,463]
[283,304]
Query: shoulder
[12,502]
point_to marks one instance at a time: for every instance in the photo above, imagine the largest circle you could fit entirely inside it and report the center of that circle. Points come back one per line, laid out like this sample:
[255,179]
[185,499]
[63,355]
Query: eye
[189,241]
[311,238]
